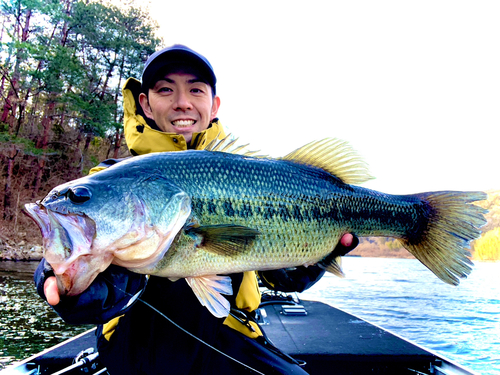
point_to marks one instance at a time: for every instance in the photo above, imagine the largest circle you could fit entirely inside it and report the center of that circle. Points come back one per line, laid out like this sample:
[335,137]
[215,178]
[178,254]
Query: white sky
[414,86]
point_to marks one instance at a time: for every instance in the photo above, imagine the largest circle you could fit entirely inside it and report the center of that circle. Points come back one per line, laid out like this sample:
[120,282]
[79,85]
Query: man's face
[180,103]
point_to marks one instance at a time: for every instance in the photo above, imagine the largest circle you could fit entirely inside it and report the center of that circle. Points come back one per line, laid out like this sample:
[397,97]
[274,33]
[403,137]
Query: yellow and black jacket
[142,137]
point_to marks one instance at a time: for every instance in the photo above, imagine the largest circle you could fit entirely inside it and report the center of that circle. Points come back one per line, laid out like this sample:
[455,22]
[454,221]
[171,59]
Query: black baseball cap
[174,58]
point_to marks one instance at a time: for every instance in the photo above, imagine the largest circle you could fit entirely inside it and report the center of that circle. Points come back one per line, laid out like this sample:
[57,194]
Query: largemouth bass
[200,215]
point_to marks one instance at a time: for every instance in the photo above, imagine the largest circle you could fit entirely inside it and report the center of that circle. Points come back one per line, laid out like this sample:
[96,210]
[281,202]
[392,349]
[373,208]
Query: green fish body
[198,214]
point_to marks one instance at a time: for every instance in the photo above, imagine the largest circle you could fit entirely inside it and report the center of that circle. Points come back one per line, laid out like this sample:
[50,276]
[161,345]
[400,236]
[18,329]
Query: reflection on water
[27,324]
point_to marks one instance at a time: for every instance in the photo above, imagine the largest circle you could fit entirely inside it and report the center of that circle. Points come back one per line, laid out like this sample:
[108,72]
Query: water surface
[460,323]
[27,324]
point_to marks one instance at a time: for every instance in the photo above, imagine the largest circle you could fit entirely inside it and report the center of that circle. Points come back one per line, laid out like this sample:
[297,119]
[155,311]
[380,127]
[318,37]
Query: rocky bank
[22,251]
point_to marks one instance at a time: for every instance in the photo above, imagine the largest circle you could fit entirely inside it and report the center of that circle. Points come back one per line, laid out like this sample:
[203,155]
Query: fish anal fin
[209,290]
[332,264]
[224,239]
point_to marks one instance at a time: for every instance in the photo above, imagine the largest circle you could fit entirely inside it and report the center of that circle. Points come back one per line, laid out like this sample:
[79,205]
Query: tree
[63,63]
[21,14]
[488,246]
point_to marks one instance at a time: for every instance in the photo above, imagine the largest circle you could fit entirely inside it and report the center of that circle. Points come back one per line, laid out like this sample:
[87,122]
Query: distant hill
[485,248]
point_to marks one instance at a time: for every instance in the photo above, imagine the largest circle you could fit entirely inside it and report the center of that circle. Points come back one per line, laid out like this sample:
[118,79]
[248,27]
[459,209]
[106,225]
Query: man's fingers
[346,239]
[51,291]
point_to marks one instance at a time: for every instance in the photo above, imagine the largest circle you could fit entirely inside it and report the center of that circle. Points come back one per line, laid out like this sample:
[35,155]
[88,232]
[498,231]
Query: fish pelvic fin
[334,156]
[453,223]
[224,239]
[209,290]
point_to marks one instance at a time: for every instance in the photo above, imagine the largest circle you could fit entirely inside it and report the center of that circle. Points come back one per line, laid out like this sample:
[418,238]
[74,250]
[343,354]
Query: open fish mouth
[77,254]
[66,239]
[39,216]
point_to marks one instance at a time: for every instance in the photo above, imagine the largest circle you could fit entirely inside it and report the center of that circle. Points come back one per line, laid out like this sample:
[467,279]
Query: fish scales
[291,205]
[198,214]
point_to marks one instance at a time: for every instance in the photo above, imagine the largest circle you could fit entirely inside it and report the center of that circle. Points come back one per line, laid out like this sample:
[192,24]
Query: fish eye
[79,194]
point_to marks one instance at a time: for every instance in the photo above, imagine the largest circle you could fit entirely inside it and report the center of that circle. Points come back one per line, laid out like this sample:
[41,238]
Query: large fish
[199,214]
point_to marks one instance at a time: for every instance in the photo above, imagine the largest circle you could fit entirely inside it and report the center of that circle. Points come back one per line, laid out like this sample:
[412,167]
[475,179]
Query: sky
[413,86]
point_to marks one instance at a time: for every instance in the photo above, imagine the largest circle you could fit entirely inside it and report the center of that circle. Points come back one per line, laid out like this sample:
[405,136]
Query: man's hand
[109,295]
[301,278]
[51,291]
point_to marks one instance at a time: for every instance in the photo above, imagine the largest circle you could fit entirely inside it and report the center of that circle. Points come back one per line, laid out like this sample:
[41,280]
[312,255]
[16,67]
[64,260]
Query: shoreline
[21,253]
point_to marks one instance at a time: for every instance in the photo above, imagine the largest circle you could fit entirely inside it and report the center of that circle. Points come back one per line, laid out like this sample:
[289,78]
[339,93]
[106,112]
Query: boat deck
[332,341]
[327,339]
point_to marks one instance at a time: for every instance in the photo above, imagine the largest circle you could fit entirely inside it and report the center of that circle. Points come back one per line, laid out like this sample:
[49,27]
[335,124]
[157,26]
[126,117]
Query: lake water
[461,323]
[401,295]
[27,324]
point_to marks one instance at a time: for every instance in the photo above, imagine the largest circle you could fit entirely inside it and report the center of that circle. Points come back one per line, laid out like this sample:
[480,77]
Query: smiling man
[174,108]
[179,97]
[180,103]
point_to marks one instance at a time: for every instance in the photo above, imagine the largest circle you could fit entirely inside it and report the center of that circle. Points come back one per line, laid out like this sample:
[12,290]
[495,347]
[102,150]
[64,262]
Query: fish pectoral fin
[332,264]
[224,239]
[209,290]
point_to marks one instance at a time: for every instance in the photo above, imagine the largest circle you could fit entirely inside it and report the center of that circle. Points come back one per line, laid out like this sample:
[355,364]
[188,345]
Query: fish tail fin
[453,222]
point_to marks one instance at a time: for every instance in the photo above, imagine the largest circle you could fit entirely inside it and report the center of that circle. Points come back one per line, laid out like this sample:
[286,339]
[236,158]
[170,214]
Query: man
[175,108]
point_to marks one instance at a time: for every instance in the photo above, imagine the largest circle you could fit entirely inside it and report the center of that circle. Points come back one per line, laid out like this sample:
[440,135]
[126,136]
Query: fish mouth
[67,241]
[34,212]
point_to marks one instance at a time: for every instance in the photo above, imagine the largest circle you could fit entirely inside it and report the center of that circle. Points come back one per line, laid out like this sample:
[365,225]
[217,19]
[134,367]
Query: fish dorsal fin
[224,145]
[334,156]
[209,290]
